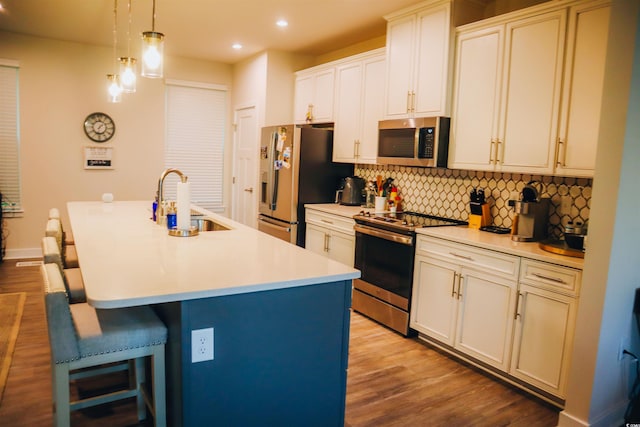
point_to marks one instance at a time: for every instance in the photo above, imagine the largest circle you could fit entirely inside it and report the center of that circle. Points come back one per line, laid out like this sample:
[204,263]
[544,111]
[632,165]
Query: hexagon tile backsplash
[445,192]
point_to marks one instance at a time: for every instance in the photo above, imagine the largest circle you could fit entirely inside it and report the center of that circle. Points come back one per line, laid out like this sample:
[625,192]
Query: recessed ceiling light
[236,46]
[282,23]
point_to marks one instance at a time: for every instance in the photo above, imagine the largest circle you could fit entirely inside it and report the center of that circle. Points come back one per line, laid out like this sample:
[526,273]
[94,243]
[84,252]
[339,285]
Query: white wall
[60,84]
[598,383]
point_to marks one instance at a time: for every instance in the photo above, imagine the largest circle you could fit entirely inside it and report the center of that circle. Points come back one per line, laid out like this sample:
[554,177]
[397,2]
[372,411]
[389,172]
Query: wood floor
[392,381]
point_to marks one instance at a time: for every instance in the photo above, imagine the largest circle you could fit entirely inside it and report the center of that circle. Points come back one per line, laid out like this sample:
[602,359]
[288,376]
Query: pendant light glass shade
[127,74]
[114,89]
[152,54]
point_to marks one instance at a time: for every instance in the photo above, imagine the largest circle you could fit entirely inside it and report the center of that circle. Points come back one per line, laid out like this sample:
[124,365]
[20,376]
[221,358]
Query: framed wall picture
[98,157]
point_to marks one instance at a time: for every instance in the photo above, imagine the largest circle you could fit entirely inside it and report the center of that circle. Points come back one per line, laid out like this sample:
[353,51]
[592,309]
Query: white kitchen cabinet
[331,236]
[418,44]
[507,94]
[465,297]
[545,323]
[314,90]
[358,108]
[582,88]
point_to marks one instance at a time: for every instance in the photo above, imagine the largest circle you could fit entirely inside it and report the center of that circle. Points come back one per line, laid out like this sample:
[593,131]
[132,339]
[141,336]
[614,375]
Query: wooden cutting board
[560,247]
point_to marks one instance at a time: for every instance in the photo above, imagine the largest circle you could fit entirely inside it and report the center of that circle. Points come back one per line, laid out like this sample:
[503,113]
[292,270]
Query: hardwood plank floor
[392,381]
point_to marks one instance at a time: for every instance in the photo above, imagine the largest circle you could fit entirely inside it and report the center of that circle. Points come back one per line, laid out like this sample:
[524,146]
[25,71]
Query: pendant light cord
[153,17]
[115,36]
[129,31]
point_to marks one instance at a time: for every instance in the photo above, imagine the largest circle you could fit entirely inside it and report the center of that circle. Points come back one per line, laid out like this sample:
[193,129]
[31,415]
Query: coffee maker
[532,214]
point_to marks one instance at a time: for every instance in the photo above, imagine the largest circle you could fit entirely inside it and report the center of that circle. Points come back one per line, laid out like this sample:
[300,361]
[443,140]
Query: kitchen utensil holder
[477,221]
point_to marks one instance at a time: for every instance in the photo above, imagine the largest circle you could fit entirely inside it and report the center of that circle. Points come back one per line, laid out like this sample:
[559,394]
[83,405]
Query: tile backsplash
[445,192]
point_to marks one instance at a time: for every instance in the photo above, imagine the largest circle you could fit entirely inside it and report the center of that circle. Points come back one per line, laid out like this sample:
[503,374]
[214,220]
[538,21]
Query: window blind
[9,138]
[195,135]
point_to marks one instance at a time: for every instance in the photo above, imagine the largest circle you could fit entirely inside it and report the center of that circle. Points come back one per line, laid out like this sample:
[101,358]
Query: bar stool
[68,252]
[72,277]
[67,235]
[84,338]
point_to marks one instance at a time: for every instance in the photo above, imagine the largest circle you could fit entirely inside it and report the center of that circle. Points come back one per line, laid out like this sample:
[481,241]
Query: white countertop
[501,243]
[126,259]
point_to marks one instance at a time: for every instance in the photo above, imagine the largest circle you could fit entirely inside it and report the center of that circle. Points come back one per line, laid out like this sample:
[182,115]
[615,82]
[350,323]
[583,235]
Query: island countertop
[126,259]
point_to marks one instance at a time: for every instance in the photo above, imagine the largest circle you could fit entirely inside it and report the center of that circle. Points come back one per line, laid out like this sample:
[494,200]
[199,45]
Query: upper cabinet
[418,62]
[419,41]
[582,89]
[522,101]
[358,108]
[313,102]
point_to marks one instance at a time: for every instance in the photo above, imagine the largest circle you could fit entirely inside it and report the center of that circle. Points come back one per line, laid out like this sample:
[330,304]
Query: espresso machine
[531,216]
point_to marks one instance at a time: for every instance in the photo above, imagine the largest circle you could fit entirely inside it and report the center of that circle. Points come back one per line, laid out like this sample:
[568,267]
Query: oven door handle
[384,234]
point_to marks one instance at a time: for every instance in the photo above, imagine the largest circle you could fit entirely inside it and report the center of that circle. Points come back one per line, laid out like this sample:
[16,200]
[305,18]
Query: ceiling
[206,29]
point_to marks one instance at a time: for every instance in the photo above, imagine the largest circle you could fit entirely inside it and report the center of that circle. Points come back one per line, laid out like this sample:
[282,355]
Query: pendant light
[127,63]
[114,89]
[152,50]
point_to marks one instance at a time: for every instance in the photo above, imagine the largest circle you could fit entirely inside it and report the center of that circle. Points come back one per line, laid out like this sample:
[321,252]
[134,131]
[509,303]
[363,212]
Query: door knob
[249,190]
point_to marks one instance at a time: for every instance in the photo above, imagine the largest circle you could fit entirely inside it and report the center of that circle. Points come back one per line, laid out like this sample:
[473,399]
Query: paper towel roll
[183,206]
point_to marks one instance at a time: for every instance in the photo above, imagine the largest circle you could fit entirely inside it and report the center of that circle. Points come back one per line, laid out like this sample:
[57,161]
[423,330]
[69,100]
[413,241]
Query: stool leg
[159,396]
[62,413]
[140,379]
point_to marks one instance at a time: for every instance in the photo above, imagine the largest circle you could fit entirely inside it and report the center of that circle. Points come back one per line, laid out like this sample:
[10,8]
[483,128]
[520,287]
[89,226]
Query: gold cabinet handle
[549,278]
[468,258]
[453,285]
[460,286]
[517,313]
[561,154]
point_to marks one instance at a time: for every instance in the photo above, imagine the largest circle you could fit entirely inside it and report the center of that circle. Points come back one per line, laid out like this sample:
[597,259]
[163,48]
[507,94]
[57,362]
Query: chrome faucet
[161,215]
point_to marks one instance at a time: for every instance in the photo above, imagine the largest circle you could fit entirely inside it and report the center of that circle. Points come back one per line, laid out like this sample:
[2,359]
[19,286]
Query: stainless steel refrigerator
[295,169]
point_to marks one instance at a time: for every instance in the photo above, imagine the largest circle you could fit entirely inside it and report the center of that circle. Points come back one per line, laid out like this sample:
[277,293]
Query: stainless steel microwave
[421,141]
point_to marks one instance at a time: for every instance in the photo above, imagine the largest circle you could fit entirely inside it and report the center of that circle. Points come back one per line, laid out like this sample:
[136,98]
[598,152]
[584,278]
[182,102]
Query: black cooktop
[405,221]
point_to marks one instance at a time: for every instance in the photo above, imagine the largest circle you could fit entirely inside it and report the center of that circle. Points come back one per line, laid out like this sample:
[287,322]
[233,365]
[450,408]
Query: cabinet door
[372,109]
[304,88]
[400,53]
[543,339]
[348,112]
[476,99]
[531,93]
[431,79]
[316,239]
[342,247]
[582,91]
[323,96]
[485,318]
[434,300]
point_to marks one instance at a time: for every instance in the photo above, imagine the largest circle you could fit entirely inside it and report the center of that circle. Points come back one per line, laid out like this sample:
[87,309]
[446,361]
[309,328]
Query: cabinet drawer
[469,256]
[334,222]
[550,276]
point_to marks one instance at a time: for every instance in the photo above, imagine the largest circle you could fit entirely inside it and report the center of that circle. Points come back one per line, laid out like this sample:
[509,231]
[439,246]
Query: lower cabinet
[459,303]
[331,235]
[544,325]
[514,315]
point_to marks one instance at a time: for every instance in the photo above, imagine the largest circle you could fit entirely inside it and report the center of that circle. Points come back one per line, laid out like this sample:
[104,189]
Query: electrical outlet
[565,205]
[201,345]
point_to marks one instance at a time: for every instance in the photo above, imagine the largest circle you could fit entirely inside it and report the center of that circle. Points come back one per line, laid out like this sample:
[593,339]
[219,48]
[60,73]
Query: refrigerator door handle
[274,172]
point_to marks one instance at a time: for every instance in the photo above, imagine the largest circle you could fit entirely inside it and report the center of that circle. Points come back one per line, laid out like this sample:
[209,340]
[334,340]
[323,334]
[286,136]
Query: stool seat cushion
[70,257]
[74,285]
[101,331]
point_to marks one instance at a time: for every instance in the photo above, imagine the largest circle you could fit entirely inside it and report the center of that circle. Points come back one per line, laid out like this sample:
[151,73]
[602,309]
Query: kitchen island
[279,313]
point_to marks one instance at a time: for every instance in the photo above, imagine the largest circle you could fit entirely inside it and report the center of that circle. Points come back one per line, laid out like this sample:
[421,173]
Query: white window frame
[195,135]
[10,173]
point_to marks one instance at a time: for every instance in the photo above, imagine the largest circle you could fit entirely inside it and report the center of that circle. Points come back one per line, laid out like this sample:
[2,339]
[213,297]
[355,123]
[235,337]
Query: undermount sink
[206,224]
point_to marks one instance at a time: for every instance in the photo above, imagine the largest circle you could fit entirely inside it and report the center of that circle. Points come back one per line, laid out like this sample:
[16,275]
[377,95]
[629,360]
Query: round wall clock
[99,127]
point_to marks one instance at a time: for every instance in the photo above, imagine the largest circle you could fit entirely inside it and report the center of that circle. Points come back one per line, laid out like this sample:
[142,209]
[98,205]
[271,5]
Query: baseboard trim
[23,253]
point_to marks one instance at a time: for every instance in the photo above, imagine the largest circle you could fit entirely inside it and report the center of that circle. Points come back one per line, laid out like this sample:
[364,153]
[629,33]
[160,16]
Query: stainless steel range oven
[385,249]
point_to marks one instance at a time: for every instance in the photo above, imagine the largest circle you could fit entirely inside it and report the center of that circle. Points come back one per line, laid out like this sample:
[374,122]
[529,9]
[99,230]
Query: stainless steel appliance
[422,141]
[385,248]
[352,193]
[295,168]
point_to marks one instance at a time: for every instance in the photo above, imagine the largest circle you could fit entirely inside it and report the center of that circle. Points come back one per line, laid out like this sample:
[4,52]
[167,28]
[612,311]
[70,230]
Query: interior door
[245,179]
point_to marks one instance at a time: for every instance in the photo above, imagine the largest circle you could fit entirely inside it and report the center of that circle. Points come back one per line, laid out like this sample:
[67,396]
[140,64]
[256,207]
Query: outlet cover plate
[201,345]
